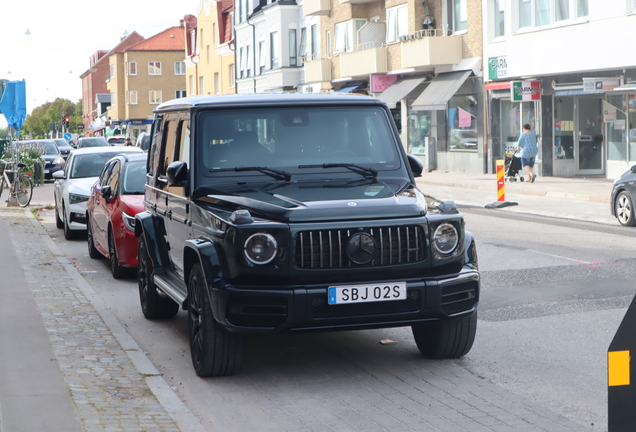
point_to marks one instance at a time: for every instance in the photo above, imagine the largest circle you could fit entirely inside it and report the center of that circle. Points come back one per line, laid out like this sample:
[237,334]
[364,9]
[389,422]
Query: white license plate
[46,171]
[366,293]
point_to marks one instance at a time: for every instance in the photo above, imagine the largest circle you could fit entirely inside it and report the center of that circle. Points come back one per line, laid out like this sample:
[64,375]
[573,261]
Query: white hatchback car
[73,185]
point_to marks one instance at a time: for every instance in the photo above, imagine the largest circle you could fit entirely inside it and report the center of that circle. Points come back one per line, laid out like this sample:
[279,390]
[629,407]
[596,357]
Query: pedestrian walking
[128,142]
[528,149]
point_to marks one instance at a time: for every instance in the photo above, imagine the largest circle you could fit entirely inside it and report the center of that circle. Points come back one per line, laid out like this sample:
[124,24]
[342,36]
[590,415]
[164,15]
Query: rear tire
[90,241]
[118,271]
[153,304]
[214,350]
[446,340]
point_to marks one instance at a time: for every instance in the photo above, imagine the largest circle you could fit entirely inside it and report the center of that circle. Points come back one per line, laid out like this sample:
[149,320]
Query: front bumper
[305,308]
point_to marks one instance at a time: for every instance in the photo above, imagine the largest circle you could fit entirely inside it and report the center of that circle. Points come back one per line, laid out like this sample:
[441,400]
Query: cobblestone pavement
[109,391]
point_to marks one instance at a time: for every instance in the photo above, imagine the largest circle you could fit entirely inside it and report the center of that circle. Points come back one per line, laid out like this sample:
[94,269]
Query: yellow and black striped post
[501,180]
[621,394]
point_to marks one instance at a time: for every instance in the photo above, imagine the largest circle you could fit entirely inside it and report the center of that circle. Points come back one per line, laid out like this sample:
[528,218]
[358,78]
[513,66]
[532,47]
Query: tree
[37,123]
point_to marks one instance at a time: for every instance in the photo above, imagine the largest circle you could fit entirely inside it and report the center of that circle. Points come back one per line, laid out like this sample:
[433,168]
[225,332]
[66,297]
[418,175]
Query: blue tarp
[13,103]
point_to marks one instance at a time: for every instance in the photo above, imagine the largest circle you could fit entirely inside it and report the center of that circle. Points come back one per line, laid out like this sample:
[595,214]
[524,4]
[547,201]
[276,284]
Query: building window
[248,62]
[232,75]
[201,86]
[179,94]
[217,83]
[179,68]
[154,97]
[293,56]
[540,13]
[132,68]
[191,82]
[132,97]
[457,15]
[397,23]
[500,18]
[111,73]
[303,43]
[273,50]
[207,54]
[154,68]
[112,99]
[328,38]
[347,35]
[261,57]
[314,41]
[241,64]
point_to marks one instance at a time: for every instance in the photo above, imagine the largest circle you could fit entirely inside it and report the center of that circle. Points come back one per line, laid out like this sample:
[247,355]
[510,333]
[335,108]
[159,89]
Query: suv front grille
[327,249]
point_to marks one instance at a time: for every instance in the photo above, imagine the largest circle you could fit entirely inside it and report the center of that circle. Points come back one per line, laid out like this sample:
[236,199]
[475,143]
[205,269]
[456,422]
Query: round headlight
[260,248]
[445,239]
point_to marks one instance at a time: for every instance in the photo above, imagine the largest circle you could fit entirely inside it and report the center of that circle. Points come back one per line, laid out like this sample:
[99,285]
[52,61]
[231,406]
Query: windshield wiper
[367,172]
[277,174]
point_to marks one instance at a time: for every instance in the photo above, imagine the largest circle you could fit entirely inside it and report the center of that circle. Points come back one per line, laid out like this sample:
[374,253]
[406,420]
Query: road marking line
[595,263]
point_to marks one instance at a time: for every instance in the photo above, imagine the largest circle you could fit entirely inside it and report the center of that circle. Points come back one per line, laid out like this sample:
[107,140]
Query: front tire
[624,209]
[153,304]
[69,234]
[214,350]
[446,339]
[59,223]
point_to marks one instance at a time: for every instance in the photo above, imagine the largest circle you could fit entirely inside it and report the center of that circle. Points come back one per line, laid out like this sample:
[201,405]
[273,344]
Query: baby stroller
[513,166]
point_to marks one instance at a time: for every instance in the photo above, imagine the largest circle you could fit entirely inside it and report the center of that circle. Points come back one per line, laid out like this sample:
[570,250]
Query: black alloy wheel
[153,304]
[214,350]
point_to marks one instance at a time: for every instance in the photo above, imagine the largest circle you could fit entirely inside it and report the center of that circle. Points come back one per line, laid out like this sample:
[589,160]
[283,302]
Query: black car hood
[295,202]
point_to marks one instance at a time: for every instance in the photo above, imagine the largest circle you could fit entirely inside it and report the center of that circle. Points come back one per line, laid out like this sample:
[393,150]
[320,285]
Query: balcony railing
[317,70]
[365,59]
[429,48]
[317,7]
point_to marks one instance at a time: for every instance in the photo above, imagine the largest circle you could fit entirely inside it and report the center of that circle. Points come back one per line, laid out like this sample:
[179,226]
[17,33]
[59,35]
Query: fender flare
[153,230]
[204,251]
[470,250]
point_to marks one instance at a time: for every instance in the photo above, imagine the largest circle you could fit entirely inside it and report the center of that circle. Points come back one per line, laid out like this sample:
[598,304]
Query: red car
[116,197]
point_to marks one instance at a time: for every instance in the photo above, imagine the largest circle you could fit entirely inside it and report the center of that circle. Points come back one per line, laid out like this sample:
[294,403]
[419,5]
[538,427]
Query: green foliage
[29,157]
[37,123]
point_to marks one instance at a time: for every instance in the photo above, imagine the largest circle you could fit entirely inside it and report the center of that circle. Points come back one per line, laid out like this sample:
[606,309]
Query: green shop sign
[497,67]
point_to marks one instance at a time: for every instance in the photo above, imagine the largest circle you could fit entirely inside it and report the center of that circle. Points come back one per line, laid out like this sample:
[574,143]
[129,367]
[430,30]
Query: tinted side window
[113,178]
[103,177]
[169,144]
[154,151]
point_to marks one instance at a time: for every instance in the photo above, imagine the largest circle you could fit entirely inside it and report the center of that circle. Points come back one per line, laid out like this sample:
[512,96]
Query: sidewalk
[571,198]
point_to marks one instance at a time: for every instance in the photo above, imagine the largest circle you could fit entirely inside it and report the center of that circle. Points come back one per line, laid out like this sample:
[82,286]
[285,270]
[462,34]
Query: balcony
[366,59]
[317,70]
[357,1]
[430,48]
[317,7]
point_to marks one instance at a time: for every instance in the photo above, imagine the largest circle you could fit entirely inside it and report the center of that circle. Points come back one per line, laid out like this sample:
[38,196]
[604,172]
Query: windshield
[286,138]
[89,165]
[93,142]
[116,141]
[44,147]
[134,177]
[62,143]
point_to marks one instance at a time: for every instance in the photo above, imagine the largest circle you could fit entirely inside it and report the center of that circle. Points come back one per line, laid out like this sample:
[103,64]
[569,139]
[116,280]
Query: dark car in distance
[92,142]
[64,146]
[116,197]
[54,161]
[291,213]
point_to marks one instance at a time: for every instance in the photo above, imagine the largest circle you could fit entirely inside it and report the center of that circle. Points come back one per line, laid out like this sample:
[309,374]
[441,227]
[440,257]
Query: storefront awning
[569,92]
[348,89]
[440,90]
[399,90]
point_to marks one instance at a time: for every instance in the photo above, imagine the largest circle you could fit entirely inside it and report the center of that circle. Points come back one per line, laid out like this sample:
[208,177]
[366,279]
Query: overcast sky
[65,34]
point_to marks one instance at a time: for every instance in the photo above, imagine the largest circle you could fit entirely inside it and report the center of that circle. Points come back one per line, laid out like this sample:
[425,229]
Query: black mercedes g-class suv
[291,212]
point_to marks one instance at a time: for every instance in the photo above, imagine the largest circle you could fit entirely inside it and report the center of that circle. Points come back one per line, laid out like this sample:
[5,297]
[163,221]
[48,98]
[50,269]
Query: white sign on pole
[609,112]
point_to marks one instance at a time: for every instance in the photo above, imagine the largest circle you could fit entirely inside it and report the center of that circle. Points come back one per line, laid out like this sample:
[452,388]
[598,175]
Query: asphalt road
[553,294]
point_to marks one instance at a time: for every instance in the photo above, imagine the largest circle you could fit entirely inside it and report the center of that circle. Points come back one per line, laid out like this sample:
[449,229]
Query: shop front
[134,127]
[620,116]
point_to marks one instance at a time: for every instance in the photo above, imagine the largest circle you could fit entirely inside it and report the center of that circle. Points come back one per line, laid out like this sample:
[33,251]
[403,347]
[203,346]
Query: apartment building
[209,49]
[560,65]
[142,76]
[422,58]
[94,85]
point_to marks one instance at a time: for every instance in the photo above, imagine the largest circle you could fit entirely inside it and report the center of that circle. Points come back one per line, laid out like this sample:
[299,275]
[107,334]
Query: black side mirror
[106,193]
[633,169]
[416,165]
[177,173]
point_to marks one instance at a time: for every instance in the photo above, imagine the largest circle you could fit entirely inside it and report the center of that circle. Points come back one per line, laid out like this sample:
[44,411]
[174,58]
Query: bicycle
[22,190]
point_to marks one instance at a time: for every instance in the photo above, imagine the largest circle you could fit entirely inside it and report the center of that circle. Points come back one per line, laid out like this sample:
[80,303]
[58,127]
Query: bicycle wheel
[2,186]
[24,190]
